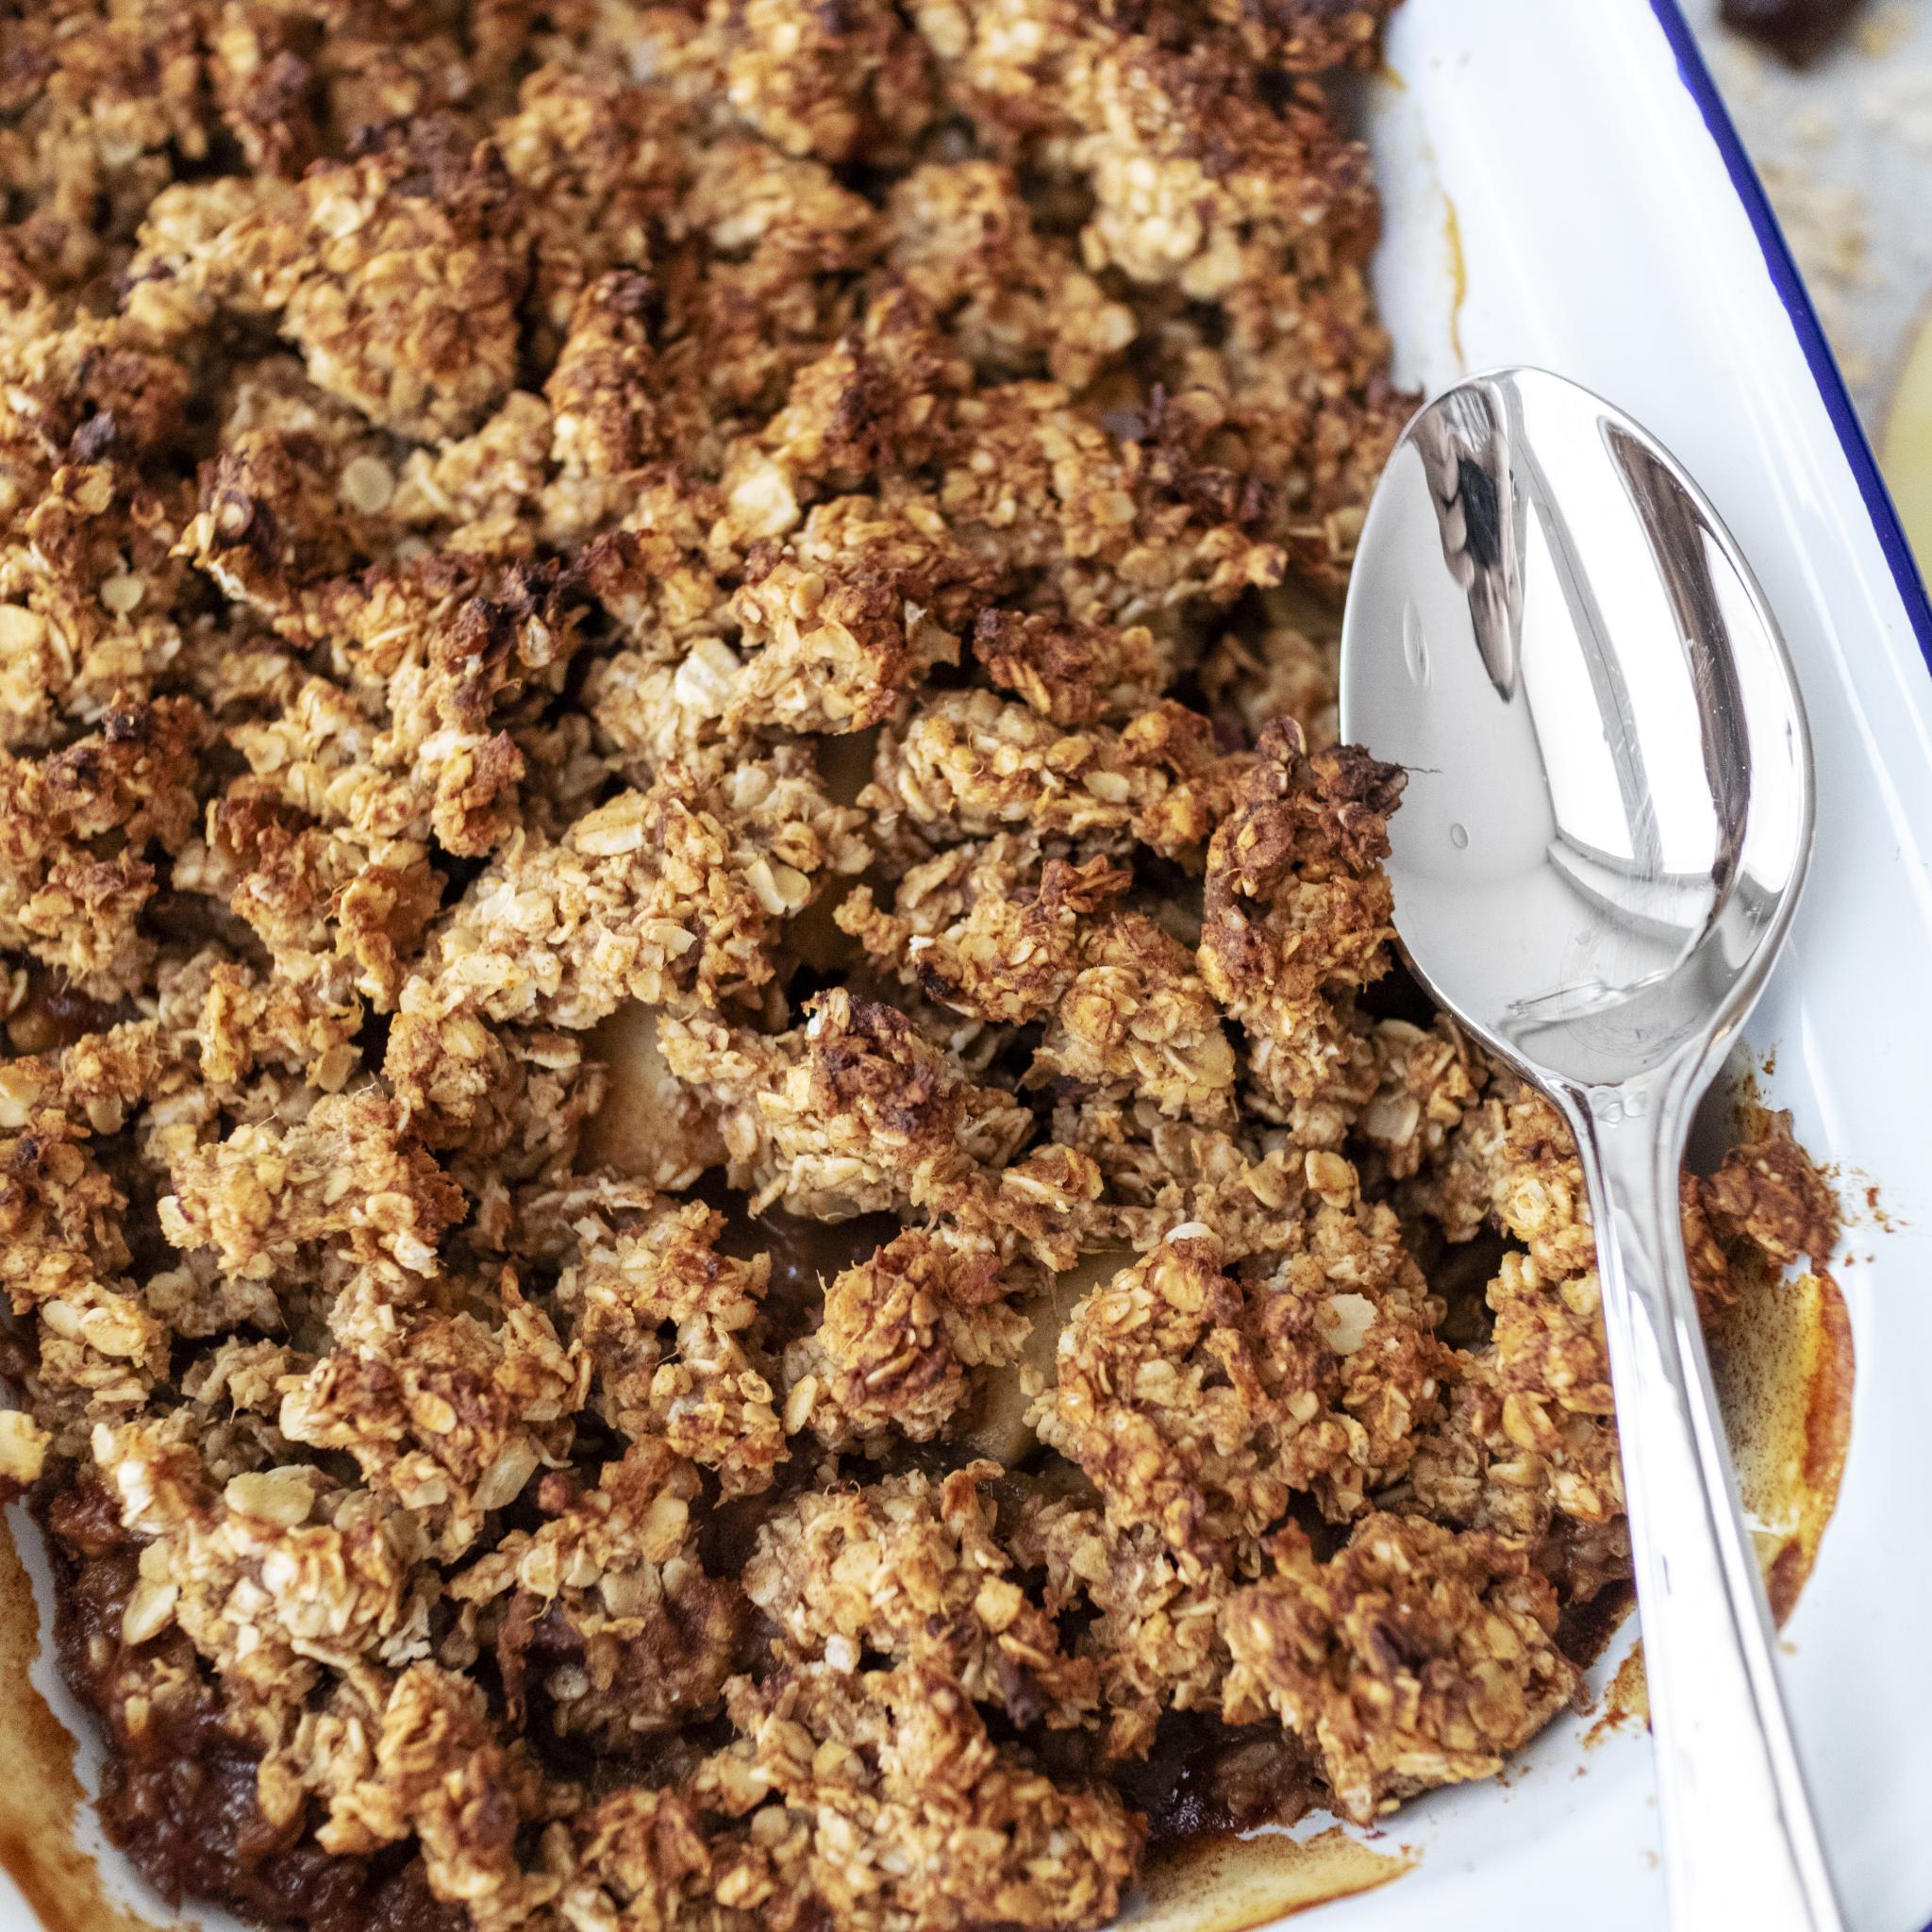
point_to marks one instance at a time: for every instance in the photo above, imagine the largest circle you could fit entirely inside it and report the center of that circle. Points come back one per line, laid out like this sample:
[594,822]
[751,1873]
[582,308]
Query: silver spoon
[1607,824]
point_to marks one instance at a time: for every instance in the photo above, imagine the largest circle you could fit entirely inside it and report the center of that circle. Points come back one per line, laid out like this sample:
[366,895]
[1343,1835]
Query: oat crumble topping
[721,1206]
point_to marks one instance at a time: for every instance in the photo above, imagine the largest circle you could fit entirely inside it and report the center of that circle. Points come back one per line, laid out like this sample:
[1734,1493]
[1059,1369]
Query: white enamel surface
[1601,236]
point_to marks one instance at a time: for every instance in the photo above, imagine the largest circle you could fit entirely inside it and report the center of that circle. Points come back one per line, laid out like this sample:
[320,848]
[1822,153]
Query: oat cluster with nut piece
[719,1206]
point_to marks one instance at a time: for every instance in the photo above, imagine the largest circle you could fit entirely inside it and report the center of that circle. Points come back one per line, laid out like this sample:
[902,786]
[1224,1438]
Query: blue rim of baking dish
[1789,286]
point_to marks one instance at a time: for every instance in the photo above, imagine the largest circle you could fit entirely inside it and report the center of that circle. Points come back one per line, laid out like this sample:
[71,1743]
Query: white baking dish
[1562,188]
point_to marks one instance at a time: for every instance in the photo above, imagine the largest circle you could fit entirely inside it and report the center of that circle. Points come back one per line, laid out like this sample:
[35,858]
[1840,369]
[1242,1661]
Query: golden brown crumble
[720,1206]
[1414,1656]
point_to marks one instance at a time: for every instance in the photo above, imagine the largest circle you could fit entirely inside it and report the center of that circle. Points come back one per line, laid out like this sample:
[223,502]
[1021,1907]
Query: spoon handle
[1740,1845]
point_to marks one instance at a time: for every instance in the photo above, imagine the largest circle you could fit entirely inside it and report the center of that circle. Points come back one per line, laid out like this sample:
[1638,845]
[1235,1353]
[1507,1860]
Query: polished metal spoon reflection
[1606,823]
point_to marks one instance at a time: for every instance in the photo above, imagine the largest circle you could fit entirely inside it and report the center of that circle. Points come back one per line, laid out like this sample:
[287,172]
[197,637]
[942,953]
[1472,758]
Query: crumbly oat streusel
[720,1210]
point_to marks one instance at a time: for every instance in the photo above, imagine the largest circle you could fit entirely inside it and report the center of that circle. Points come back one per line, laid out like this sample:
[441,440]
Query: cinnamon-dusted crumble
[718,1205]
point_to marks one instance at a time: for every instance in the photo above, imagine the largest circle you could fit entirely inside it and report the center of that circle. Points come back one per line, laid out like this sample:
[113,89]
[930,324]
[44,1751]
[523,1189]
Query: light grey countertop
[1846,150]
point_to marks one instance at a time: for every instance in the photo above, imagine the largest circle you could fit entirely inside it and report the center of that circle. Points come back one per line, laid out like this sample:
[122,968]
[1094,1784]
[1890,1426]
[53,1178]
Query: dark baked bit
[1801,30]
[716,1213]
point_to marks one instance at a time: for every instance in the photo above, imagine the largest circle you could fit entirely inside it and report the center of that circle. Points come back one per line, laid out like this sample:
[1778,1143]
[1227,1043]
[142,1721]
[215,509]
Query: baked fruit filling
[721,1205]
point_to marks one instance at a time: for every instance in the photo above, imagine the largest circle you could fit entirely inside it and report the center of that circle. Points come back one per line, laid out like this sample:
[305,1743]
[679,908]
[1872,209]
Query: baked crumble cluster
[720,1209]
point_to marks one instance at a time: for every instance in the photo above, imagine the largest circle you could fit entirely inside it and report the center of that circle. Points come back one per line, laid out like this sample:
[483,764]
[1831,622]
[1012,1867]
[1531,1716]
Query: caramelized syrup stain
[1782,1358]
[1234,1884]
[40,1798]
[1783,1362]
[1459,278]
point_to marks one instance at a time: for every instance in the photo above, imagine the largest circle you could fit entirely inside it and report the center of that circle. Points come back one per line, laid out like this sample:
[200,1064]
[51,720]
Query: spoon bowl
[1609,802]
[1606,826]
